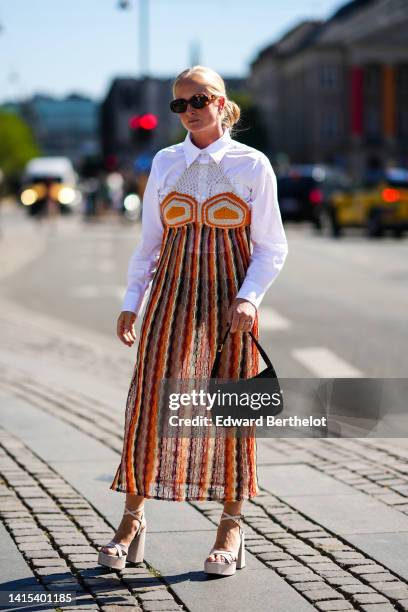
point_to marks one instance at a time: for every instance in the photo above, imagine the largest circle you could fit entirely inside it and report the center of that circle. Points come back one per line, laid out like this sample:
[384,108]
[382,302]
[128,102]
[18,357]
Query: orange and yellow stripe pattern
[203,261]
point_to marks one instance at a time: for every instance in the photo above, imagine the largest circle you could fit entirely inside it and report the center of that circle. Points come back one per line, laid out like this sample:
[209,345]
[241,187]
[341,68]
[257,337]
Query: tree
[250,129]
[17,146]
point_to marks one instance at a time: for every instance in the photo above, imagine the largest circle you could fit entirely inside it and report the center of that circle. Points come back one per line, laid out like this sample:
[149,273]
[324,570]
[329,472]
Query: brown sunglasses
[179,105]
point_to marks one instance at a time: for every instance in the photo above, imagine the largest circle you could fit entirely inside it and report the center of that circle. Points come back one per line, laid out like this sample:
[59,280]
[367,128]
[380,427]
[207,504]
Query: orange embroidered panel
[222,210]
[178,209]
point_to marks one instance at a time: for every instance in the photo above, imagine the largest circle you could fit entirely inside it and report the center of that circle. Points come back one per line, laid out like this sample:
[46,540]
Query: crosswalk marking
[106,266]
[325,363]
[94,291]
[271,320]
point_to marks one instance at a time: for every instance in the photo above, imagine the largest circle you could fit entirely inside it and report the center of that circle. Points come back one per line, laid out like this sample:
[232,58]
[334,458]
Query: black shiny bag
[266,382]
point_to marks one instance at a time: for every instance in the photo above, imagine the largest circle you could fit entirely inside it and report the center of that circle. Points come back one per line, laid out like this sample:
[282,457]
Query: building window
[402,102]
[402,121]
[402,80]
[329,124]
[373,123]
[373,79]
[328,77]
[129,97]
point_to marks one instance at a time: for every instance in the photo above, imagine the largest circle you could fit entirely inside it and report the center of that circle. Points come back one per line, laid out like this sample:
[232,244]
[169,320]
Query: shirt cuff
[131,302]
[252,292]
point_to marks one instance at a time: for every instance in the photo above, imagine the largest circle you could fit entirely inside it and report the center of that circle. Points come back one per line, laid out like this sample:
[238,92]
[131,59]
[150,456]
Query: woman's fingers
[243,316]
[129,338]
[125,328]
[132,331]
[241,322]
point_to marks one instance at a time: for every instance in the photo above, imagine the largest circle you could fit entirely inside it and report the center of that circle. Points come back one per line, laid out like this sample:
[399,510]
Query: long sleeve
[268,237]
[143,260]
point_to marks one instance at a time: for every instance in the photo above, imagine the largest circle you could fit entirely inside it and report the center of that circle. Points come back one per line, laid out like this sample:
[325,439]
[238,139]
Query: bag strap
[220,347]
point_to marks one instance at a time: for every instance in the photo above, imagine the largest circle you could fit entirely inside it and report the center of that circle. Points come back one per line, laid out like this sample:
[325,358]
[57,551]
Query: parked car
[375,205]
[304,190]
[49,181]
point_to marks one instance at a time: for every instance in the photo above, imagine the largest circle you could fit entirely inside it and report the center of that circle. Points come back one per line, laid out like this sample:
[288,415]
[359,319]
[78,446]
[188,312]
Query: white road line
[85,291]
[325,363]
[106,266]
[271,320]
[94,291]
[104,248]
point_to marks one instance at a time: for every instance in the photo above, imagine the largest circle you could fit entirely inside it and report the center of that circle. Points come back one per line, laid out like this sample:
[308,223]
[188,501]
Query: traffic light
[143,127]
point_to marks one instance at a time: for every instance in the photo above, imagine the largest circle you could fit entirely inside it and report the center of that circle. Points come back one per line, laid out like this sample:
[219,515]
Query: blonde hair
[214,83]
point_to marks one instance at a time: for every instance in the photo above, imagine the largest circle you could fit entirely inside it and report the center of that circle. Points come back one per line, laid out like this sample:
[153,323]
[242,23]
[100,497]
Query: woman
[206,200]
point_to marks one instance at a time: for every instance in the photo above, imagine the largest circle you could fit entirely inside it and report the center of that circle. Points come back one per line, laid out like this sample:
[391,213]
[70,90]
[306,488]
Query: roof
[307,32]
[349,8]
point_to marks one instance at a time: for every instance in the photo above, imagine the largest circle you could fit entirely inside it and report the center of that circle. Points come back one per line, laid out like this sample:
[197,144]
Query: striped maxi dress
[204,255]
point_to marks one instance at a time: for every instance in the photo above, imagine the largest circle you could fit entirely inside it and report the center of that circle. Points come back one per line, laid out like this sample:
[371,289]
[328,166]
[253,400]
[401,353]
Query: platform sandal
[233,562]
[134,552]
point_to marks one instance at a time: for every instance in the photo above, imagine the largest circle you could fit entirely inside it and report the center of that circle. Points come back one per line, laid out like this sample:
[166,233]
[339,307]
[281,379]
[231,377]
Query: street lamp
[143,33]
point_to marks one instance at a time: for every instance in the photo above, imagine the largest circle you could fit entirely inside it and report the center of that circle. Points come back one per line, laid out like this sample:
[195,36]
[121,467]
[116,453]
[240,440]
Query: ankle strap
[235,517]
[133,512]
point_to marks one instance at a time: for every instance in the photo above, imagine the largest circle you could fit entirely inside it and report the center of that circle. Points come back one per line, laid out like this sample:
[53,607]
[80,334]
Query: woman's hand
[241,315]
[126,327]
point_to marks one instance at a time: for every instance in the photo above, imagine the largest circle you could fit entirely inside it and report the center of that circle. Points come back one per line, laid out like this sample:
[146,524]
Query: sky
[58,47]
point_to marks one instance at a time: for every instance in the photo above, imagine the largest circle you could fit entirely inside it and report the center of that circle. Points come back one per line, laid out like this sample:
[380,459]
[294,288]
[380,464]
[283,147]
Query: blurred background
[323,88]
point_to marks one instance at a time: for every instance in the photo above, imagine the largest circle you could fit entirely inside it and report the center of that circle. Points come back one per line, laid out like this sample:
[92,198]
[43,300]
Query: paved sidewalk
[328,532]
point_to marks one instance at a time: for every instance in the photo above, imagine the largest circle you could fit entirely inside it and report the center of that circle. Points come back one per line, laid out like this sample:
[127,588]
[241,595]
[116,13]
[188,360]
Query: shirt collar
[216,149]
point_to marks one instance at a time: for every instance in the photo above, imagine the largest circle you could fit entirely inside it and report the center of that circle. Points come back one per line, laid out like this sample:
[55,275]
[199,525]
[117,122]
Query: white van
[52,178]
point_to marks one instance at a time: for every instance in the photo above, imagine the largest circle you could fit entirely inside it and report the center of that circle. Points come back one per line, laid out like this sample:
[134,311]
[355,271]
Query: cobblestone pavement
[58,531]
[323,568]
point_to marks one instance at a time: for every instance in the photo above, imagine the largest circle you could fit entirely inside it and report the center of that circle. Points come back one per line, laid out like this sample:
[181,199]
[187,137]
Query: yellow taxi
[377,206]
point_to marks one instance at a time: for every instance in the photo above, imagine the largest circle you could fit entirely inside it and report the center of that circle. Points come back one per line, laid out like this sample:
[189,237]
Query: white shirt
[254,180]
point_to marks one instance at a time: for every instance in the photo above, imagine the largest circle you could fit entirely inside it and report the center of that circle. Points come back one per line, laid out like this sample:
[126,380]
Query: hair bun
[231,113]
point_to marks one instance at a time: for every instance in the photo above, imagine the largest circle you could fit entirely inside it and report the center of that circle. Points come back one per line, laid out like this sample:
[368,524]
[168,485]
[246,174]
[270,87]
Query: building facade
[337,91]
[62,126]
[128,97]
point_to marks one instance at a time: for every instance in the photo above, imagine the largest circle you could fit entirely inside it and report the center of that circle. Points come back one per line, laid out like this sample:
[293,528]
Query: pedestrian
[206,200]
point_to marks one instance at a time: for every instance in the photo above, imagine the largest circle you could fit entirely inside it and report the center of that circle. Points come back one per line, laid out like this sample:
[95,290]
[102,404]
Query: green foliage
[17,145]
[250,129]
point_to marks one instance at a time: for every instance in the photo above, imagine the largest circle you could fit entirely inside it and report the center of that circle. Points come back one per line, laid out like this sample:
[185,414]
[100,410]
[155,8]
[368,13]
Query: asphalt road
[338,308]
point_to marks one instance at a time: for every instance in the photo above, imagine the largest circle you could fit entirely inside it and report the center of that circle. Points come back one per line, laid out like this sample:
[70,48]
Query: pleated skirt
[199,272]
